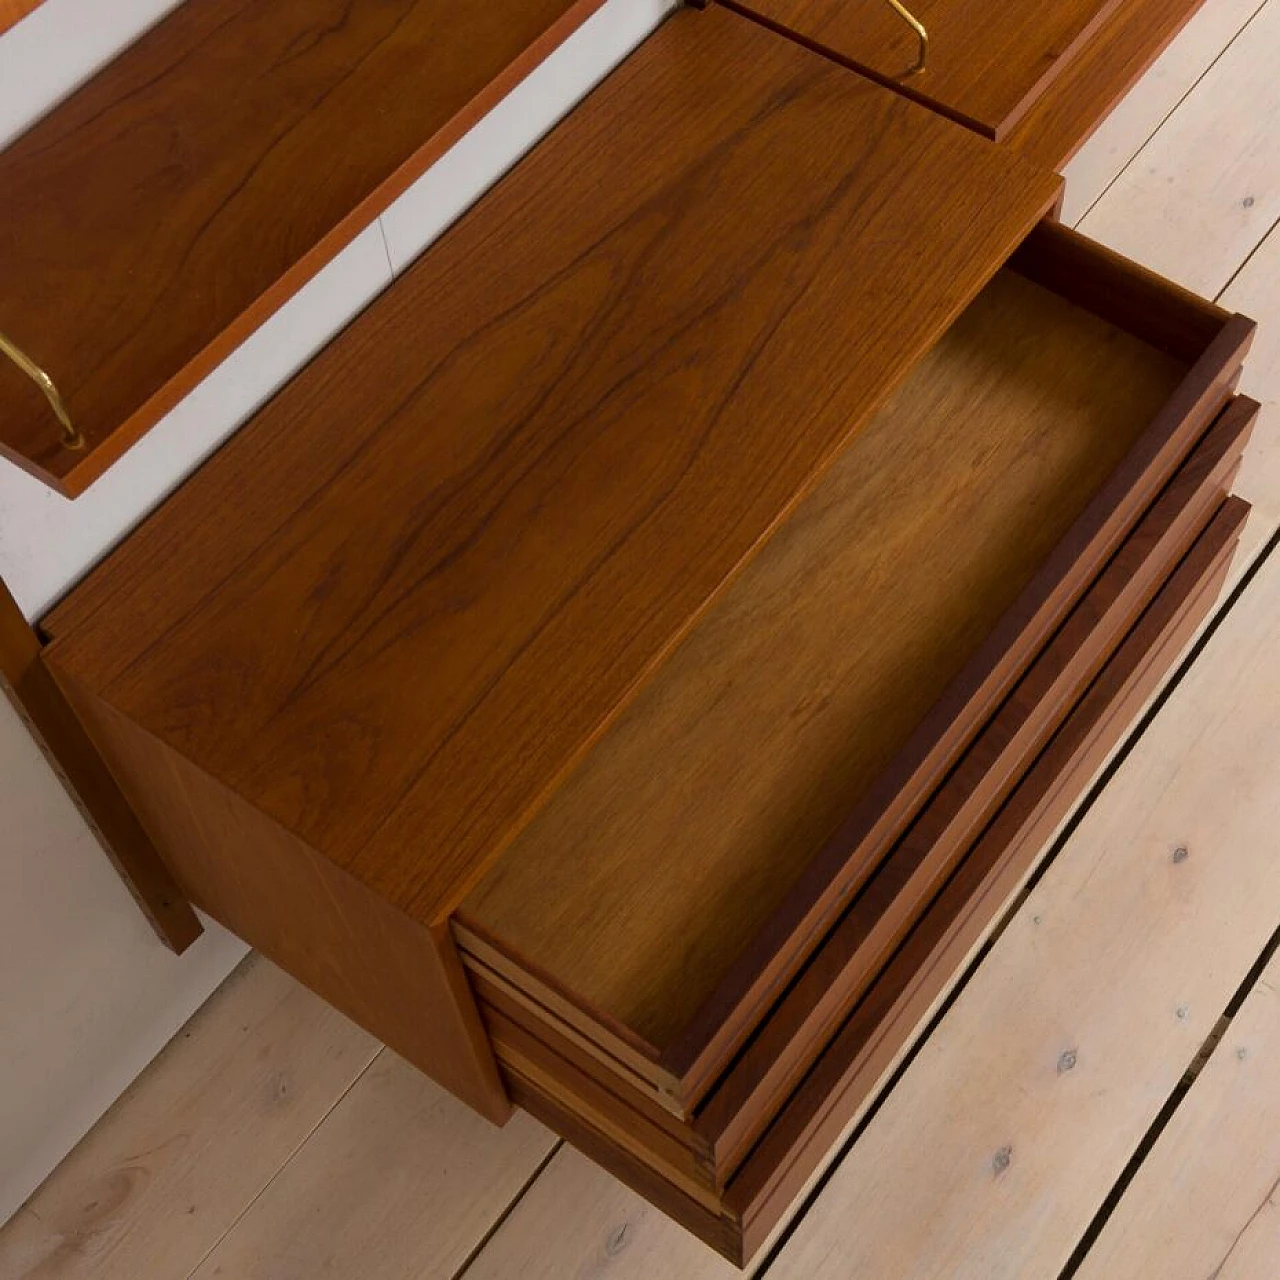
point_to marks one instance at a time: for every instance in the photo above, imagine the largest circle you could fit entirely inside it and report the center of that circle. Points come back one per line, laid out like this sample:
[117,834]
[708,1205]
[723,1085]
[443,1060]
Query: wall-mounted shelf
[1038,76]
[163,211]
[12,11]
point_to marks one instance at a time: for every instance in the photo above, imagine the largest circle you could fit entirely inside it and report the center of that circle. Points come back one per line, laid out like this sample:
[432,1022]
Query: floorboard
[401,1180]
[1140,113]
[1206,1201]
[176,1161]
[1205,189]
[1255,291]
[995,1150]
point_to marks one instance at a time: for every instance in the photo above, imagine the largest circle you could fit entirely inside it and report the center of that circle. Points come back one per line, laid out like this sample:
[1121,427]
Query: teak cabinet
[630,669]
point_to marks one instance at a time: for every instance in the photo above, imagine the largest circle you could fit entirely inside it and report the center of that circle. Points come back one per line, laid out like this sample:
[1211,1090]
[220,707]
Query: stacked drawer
[956,621]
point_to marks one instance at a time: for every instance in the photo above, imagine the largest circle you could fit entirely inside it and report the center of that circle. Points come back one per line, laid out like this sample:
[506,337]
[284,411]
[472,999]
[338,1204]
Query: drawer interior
[736,1216]
[622,906]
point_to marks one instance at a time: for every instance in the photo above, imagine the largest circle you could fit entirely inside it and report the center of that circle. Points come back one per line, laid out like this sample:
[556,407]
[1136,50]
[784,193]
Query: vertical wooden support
[74,758]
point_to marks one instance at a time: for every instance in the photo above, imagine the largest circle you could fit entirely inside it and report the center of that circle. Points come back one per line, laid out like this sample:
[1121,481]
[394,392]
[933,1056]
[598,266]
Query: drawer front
[737,1217]
[1075,287]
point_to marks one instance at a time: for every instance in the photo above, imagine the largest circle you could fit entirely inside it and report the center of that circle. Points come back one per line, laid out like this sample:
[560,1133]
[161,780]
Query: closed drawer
[550,1078]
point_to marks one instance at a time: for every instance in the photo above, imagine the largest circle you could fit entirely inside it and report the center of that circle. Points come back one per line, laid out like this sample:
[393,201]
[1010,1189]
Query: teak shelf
[632,666]
[1039,77]
[165,209]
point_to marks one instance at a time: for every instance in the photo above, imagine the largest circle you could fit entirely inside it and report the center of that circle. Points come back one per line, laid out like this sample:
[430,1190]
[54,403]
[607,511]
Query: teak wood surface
[986,64]
[171,204]
[796,1030]
[898,893]
[1075,102]
[929,961]
[847,1076]
[660,858]
[397,978]
[429,572]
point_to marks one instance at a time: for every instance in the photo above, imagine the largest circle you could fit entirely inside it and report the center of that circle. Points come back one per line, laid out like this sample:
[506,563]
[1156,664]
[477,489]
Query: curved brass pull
[918,27]
[72,438]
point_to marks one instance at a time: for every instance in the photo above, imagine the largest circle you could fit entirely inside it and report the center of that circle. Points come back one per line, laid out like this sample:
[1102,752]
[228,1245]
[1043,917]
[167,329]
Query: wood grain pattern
[1205,188]
[397,978]
[846,1076]
[659,860]
[1179,323]
[1125,293]
[796,1031]
[925,968]
[1188,36]
[1107,957]
[1074,104]
[987,64]
[73,757]
[169,206]
[401,1182]
[181,1156]
[902,887]
[557,438]
[1257,287]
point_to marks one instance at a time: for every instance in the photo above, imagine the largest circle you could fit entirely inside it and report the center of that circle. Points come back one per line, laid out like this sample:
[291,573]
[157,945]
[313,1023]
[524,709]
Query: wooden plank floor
[1050,1125]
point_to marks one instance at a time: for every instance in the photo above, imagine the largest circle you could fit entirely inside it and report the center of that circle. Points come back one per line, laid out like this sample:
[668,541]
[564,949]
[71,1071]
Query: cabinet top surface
[400,604]
[159,214]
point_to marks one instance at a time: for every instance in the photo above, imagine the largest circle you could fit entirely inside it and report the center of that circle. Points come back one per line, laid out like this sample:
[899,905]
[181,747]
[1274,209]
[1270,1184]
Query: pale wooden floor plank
[401,1182]
[181,1155]
[1256,292]
[1206,188]
[1206,1201]
[1140,113]
[577,1221]
[997,1147]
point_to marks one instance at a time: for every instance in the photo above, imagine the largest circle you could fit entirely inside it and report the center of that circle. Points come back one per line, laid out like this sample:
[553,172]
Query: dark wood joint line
[40,702]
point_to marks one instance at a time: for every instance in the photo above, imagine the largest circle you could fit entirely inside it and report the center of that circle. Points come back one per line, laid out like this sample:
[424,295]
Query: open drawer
[674,883]
[880,1030]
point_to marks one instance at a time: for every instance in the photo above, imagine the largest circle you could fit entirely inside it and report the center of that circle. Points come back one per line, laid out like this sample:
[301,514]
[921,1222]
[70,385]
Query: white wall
[87,995]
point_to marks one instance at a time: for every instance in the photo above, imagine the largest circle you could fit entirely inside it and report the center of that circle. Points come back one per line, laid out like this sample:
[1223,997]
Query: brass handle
[921,34]
[72,438]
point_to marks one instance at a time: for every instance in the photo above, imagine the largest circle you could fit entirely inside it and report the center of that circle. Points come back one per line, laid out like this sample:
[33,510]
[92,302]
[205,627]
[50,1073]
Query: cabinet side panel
[399,980]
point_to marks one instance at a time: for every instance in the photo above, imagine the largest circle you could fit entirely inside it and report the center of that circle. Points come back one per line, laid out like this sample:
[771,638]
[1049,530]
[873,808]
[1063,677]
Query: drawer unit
[702,1155]
[628,670]
[836,1091]
[679,875]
